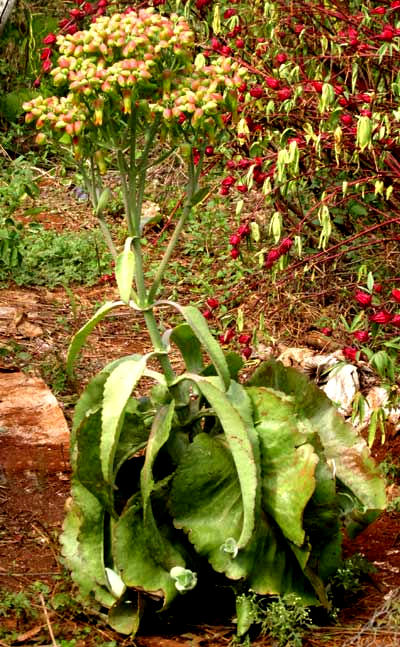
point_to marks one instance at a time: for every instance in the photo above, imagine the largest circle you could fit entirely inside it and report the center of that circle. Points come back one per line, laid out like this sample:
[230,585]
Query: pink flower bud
[273,256]
[243,230]
[234,253]
[46,53]
[47,65]
[229,13]
[363,298]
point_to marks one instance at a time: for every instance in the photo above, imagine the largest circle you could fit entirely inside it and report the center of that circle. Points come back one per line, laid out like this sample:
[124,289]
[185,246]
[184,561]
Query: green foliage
[16,604]
[284,619]
[351,576]
[238,478]
[52,258]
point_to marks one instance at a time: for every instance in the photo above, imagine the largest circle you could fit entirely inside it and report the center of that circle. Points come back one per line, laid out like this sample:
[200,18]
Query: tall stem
[190,191]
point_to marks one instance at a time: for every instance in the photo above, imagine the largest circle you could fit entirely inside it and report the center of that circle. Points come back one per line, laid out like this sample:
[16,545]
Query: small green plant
[17,604]
[284,618]
[350,577]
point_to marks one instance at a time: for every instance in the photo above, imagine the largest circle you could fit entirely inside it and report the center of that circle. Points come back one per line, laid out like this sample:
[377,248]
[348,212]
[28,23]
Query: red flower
[212,303]
[362,96]
[284,94]
[363,298]
[256,92]
[326,331]
[226,51]
[196,156]
[272,82]
[280,58]
[181,118]
[207,314]
[50,39]
[239,43]
[234,240]
[243,230]
[37,82]
[395,321]
[209,151]
[272,257]
[228,181]
[229,12]
[395,4]
[317,85]
[396,295]
[47,65]
[343,102]
[381,317]
[224,190]
[46,53]
[72,29]
[346,119]
[246,352]
[350,352]
[244,339]
[234,253]
[366,113]
[242,188]
[361,335]
[378,11]
[378,287]
[285,245]
[227,336]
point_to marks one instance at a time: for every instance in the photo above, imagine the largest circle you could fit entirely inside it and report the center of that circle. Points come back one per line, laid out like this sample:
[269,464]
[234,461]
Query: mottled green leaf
[287,461]
[133,556]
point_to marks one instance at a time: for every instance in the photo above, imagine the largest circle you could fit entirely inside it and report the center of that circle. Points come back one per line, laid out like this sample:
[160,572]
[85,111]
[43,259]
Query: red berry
[209,151]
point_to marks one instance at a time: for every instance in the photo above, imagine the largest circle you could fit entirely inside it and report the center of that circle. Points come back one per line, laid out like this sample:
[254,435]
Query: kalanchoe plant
[203,473]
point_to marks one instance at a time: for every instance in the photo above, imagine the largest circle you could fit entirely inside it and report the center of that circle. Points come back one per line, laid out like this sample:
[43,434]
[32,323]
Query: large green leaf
[133,556]
[206,502]
[162,550]
[82,543]
[189,347]
[124,616]
[200,328]
[242,445]
[117,390]
[341,444]
[287,461]
[80,337]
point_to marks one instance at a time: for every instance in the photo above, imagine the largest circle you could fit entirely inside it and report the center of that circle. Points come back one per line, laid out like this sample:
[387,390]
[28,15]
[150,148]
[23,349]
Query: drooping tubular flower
[142,59]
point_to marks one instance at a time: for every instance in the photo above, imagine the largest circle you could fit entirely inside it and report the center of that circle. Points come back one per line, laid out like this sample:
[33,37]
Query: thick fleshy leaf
[242,447]
[287,461]
[82,543]
[90,402]
[125,271]
[79,339]
[124,616]
[341,443]
[134,434]
[189,347]
[117,390]
[200,328]
[133,556]
[206,503]
[161,549]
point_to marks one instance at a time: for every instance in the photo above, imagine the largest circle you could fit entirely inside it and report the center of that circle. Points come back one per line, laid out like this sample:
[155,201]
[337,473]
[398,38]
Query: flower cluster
[70,26]
[275,254]
[381,313]
[235,239]
[141,57]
